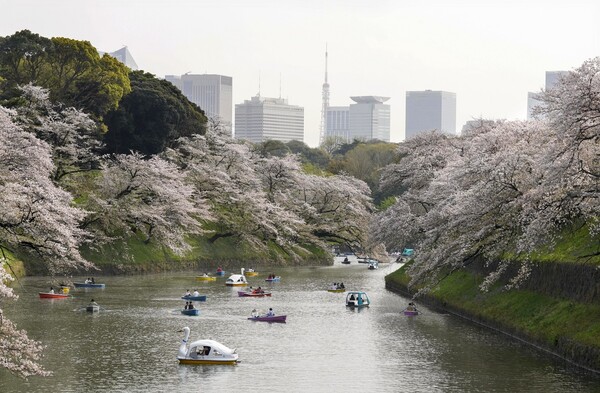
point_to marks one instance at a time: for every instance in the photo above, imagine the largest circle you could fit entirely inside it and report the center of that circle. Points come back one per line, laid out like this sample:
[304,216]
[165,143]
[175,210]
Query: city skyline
[491,55]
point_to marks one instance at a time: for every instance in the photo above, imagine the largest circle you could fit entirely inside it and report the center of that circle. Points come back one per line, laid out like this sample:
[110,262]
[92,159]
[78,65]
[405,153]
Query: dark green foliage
[151,117]
[72,71]
[271,148]
[315,156]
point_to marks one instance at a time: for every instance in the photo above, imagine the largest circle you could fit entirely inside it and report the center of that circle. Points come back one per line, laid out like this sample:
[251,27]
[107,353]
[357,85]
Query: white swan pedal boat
[204,351]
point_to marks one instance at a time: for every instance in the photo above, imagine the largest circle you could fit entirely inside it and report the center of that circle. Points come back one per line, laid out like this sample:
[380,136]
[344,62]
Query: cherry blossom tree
[37,221]
[73,136]
[571,186]
[147,198]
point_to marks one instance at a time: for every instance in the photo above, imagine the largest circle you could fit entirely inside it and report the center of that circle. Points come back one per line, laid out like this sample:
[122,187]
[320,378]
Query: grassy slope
[573,246]
[543,318]
[225,251]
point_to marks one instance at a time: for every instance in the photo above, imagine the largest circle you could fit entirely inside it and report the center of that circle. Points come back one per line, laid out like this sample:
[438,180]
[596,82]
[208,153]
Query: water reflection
[131,344]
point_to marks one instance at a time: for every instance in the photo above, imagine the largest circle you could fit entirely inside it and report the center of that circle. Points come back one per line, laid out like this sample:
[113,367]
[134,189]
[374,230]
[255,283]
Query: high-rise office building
[338,122]
[212,93]
[533,99]
[261,118]
[553,77]
[369,118]
[430,110]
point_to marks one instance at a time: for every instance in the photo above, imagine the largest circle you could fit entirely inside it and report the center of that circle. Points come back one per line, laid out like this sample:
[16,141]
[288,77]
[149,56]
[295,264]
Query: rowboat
[47,295]
[92,308]
[264,318]
[273,279]
[200,298]
[193,311]
[251,274]
[220,272]
[338,290]
[204,352]
[88,285]
[253,294]
[411,313]
[206,278]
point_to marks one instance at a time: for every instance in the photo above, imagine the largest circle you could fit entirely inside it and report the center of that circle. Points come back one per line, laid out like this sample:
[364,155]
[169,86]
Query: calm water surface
[130,346]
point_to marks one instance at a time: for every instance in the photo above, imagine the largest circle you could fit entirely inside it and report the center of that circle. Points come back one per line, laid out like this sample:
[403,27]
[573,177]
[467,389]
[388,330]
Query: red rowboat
[253,294]
[46,295]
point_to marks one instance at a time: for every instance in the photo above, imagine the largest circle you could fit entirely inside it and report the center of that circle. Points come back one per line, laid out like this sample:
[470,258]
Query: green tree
[152,117]
[23,56]
[71,70]
[271,148]
[365,162]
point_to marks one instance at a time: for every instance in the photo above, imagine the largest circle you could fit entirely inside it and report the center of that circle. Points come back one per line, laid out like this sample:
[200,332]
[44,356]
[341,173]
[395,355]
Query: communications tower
[325,105]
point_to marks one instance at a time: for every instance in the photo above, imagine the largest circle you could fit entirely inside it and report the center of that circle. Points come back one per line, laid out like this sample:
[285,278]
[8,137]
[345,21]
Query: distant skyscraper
[533,99]
[553,77]
[338,122]
[369,118]
[260,119]
[430,110]
[212,93]
[123,56]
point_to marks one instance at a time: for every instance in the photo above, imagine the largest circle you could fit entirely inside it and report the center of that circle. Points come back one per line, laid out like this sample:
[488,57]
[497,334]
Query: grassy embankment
[563,326]
[137,256]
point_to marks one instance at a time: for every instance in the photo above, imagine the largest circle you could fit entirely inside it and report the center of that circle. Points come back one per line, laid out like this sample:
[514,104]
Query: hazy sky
[490,53]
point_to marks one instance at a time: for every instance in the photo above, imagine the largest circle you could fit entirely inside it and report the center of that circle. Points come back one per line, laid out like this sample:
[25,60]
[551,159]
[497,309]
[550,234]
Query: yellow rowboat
[251,274]
[206,278]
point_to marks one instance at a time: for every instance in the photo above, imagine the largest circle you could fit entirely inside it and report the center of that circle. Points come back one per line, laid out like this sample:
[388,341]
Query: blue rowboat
[201,298]
[220,272]
[87,285]
[193,311]
[273,279]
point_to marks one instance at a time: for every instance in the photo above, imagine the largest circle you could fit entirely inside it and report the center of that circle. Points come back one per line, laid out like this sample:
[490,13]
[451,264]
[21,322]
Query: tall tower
[325,105]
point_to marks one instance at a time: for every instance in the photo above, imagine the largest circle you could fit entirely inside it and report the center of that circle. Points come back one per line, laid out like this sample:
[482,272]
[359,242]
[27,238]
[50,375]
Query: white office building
[261,118]
[369,118]
[212,93]
[533,99]
[430,110]
[338,122]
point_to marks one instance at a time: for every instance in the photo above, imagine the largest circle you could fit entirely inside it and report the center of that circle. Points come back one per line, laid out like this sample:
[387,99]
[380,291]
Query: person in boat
[254,313]
[188,293]
[342,286]
[346,259]
[191,306]
[51,290]
[92,303]
[270,313]
[411,307]
[219,269]
[352,300]
[87,280]
[259,290]
[92,281]
[251,270]
[204,274]
[196,293]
